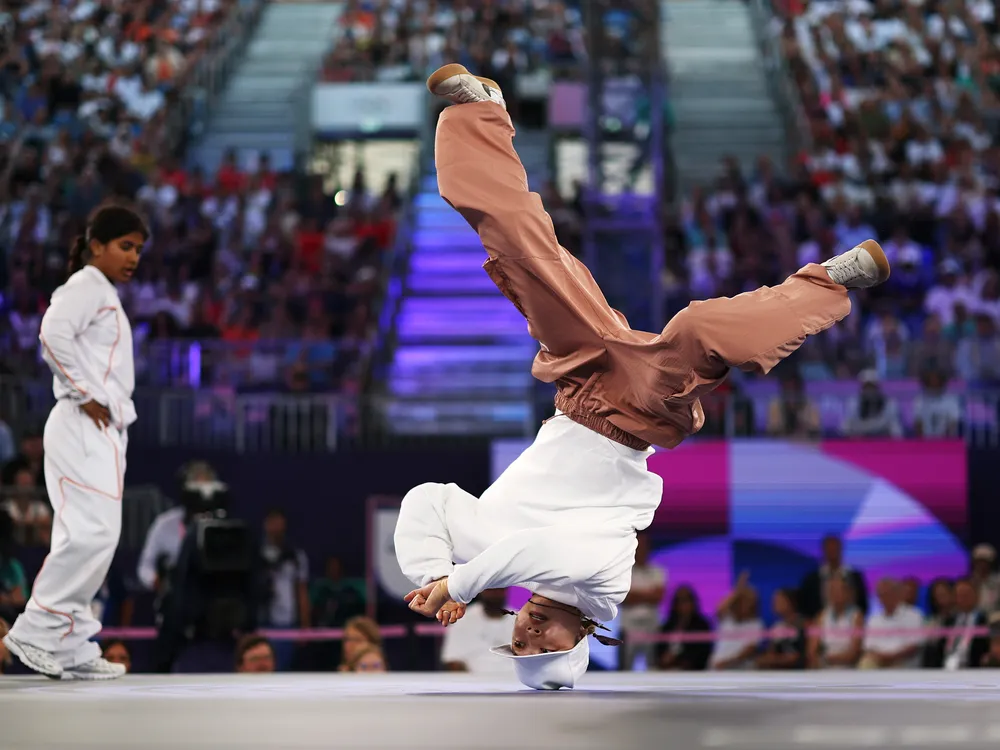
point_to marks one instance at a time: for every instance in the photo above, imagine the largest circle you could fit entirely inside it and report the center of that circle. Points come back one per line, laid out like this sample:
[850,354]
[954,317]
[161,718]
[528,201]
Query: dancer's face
[541,630]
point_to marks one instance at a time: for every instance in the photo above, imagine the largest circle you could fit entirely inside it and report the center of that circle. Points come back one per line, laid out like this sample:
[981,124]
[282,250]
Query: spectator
[165,536]
[842,624]
[116,652]
[941,612]
[254,654]
[29,456]
[739,628]
[467,643]
[887,643]
[911,591]
[336,598]
[685,617]
[977,358]
[360,633]
[992,658]
[640,612]
[962,648]
[936,413]
[872,414]
[786,648]
[32,516]
[985,577]
[369,659]
[13,585]
[949,293]
[932,352]
[286,571]
[813,587]
[793,414]
[888,341]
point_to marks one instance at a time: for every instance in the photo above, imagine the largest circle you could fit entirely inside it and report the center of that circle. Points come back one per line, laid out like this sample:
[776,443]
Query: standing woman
[87,342]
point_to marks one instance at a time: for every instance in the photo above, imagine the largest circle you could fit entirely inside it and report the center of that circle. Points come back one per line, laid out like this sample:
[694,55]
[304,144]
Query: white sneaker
[34,658]
[98,669]
[862,266]
[455,82]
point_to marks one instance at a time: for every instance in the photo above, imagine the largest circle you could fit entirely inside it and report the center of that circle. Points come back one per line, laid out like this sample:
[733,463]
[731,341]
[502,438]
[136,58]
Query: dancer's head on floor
[549,644]
[111,243]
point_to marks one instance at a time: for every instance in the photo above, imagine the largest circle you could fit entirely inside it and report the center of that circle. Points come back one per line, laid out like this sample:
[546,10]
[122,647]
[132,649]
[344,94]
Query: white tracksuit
[560,521]
[87,342]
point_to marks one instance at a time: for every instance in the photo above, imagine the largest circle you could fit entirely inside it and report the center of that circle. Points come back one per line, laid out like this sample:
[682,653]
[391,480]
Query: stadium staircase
[266,106]
[461,356]
[719,89]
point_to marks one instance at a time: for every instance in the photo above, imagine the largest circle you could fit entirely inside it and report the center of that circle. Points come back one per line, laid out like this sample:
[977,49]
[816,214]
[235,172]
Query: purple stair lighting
[463,354]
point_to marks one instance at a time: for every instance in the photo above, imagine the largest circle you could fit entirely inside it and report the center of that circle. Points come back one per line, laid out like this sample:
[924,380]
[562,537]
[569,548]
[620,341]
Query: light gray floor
[822,711]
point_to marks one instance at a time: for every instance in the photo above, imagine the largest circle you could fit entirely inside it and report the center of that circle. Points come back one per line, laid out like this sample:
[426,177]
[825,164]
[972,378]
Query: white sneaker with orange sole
[456,83]
[860,267]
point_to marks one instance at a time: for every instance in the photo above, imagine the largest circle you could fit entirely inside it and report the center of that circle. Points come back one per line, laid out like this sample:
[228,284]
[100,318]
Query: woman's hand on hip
[98,414]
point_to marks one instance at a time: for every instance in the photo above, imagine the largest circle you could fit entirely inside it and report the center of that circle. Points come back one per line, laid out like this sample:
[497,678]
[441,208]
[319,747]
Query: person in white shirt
[467,644]
[950,291]
[836,646]
[985,577]
[87,343]
[936,414]
[739,630]
[641,608]
[888,645]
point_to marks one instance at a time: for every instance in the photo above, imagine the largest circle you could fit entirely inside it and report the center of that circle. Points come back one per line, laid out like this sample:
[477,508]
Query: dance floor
[823,711]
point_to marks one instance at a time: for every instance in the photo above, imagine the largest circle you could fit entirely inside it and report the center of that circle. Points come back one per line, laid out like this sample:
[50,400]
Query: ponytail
[76,255]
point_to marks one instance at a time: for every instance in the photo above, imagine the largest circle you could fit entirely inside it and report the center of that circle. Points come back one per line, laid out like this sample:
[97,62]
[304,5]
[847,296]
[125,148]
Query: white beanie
[558,669]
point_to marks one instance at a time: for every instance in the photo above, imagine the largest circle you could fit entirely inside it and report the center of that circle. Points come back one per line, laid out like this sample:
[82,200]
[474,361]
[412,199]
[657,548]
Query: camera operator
[166,534]
[203,571]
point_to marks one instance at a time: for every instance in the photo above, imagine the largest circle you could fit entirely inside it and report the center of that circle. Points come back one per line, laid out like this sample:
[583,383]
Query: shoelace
[468,95]
[852,264]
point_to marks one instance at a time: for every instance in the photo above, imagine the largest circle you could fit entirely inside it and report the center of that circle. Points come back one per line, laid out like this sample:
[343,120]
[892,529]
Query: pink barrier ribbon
[425,630]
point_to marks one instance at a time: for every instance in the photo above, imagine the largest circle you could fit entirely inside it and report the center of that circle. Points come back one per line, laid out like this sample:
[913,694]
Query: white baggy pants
[84,476]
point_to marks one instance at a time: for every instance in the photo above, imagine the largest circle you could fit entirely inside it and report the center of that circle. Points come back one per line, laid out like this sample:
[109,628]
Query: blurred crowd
[90,93]
[825,622]
[900,100]
[243,257]
[405,40]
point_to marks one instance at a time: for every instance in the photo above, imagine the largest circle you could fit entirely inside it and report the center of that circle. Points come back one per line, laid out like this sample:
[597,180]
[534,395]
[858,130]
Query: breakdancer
[562,519]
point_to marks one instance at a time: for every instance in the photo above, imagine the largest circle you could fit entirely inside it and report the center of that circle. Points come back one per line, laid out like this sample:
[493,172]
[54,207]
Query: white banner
[369,107]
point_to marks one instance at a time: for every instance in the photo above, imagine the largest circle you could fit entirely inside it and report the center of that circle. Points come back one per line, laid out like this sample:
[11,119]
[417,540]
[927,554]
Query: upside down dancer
[562,520]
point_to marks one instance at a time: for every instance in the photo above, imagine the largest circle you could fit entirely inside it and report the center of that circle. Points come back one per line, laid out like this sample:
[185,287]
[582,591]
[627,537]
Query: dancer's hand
[97,413]
[450,613]
[429,599]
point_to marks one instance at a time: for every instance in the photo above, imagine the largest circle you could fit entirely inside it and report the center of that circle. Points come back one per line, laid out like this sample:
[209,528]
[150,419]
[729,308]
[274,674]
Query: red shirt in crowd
[310,249]
[230,178]
[177,178]
[268,179]
[380,230]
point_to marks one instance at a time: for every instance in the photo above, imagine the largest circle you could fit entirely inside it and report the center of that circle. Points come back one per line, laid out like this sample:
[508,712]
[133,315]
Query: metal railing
[779,76]
[738,416]
[247,423]
[201,85]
